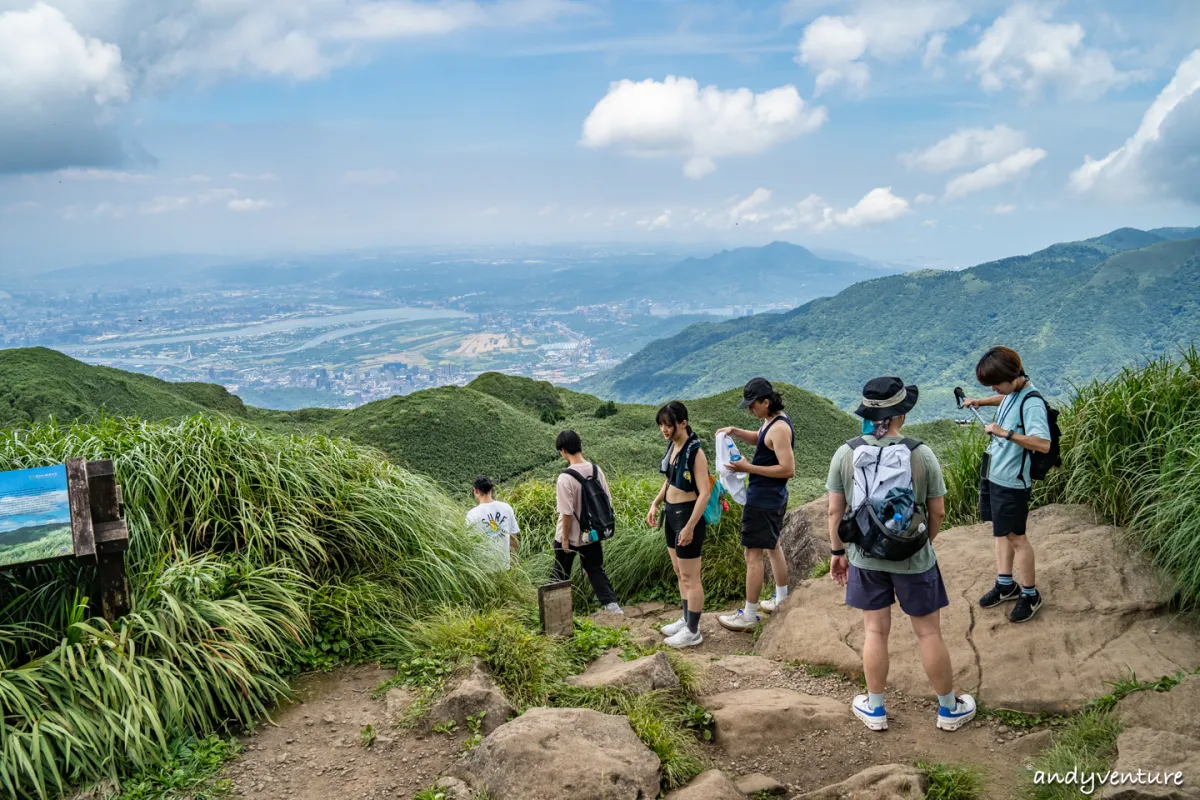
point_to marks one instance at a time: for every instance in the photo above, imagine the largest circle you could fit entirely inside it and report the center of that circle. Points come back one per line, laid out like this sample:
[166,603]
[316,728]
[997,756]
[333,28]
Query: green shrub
[606,410]
[948,782]
[961,464]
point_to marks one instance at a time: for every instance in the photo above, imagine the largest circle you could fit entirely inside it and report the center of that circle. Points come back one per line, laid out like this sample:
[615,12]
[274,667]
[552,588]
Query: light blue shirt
[1008,462]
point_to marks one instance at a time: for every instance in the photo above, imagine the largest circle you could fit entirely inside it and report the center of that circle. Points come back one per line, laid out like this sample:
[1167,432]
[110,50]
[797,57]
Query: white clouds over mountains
[999,155]
[677,118]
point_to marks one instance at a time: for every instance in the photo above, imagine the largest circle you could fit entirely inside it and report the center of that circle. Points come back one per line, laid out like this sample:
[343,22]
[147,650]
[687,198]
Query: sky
[930,132]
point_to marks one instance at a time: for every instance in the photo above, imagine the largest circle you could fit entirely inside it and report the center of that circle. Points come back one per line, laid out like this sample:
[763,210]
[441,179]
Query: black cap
[755,389]
[883,398]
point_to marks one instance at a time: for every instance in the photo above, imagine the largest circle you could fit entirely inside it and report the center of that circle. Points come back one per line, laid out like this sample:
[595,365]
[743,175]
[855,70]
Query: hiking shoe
[875,719]
[999,595]
[951,719]
[1027,606]
[685,638]
[613,608]
[672,628]
[769,605]
[739,621]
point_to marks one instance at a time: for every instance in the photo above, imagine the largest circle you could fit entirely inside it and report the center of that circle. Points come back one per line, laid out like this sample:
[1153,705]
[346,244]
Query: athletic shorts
[675,516]
[761,527]
[1007,509]
[920,594]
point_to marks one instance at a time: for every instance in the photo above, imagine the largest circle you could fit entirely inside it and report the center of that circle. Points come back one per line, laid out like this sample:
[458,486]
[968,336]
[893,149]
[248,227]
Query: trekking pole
[959,397]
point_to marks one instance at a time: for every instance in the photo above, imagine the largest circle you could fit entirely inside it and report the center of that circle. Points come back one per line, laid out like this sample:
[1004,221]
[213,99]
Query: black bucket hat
[754,390]
[883,398]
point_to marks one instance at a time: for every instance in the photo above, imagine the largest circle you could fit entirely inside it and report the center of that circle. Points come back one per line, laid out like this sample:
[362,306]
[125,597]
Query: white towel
[734,482]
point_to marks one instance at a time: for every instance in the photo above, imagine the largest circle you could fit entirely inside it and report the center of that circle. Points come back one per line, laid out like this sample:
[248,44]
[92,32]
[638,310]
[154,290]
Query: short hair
[483,484]
[774,403]
[673,413]
[568,441]
[999,365]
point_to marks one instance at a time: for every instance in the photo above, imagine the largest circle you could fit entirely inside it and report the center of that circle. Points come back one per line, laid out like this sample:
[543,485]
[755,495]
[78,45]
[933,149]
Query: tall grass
[246,550]
[1131,451]
[960,468]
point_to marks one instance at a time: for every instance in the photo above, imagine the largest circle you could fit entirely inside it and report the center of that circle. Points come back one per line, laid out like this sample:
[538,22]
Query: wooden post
[556,609]
[112,539]
[81,509]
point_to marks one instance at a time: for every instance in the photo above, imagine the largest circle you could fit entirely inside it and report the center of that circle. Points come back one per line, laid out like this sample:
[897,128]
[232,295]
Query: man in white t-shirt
[494,520]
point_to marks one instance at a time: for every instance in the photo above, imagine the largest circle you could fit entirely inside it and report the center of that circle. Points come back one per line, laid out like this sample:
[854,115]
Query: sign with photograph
[35,515]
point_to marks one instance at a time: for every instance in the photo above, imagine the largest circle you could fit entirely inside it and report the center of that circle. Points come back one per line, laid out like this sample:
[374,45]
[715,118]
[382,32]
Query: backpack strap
[856,443]
[1021,422]
[911,444]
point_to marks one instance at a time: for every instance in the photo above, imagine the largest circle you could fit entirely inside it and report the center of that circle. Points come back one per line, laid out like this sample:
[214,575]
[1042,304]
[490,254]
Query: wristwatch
[841,552]
[1009,435]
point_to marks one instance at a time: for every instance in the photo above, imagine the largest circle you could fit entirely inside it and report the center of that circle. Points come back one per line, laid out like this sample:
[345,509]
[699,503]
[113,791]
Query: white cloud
[1024,50]
[371,177]
[405,19]
[1003,208]
[995,174]
[199,178]
[966,147]
[929,223]
[836,46]
[244,204]
[877,206]
[260,176]
[751,208]
[548,210]
[659,222]
[676,117]
[165,205]
[57,89]
[1135,162]
[924,198]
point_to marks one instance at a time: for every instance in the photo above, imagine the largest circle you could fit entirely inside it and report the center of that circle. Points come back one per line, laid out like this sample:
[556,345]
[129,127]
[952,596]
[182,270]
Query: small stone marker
[555,607]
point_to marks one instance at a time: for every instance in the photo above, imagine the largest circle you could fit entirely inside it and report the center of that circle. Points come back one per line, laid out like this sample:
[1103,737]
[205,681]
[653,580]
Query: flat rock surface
[640,675]
[1105,614]
[711,785]
[553,753]
[749,719]
[1166,755]
[884,782]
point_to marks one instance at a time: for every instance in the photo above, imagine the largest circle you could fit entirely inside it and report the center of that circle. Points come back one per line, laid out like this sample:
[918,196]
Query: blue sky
[937,132]
[33,497]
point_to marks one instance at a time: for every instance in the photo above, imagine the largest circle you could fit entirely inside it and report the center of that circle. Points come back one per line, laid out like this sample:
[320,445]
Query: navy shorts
[920,594]
[675,516]
[761,527]
[1006,508]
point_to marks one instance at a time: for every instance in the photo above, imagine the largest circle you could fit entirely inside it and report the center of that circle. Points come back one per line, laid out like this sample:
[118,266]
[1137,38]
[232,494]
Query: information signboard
[35,516]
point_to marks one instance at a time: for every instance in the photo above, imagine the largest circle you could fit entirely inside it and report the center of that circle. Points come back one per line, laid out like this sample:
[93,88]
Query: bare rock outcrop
[640,675]
[884,782]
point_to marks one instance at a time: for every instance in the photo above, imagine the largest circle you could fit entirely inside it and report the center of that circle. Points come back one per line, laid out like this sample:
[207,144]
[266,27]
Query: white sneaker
[672,628]
[875,719]
[951,719]
[769,605]
[613,608]
[685,638]
[739,621]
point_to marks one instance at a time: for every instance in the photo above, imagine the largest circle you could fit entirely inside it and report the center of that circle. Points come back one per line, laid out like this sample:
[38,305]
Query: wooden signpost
[68,511]
[556,609]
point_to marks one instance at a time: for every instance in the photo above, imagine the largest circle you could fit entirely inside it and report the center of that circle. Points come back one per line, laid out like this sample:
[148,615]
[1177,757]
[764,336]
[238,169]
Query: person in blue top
[774,462]
[1022,424]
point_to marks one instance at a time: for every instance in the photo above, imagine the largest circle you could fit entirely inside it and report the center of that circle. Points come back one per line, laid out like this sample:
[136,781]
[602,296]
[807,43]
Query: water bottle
[734,455]
[894,524]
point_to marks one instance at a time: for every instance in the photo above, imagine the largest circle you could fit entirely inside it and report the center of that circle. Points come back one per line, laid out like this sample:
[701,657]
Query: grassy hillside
[1074,311]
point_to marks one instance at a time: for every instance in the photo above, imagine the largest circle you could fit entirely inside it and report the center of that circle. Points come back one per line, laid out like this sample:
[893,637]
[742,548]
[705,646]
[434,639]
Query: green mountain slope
[1075,311]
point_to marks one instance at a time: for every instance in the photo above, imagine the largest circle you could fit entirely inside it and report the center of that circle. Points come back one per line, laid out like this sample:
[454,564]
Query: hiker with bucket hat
[774,462]
[886,506]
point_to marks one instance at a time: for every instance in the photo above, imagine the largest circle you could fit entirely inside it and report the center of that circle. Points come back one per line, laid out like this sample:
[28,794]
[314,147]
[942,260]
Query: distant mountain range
[1074,311]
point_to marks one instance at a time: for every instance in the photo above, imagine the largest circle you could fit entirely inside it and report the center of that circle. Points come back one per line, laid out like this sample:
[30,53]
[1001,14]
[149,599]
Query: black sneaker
[1000,594]
[1027,606]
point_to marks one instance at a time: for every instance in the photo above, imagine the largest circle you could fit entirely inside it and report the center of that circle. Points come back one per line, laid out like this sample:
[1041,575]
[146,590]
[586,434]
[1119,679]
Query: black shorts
[1007,509]
[761,527]
[675,516]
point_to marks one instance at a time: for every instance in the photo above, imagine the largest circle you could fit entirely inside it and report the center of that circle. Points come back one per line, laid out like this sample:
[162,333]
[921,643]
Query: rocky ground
[782,723]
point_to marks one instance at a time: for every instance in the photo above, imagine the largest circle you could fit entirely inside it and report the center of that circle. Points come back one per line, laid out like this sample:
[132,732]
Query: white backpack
[883,519]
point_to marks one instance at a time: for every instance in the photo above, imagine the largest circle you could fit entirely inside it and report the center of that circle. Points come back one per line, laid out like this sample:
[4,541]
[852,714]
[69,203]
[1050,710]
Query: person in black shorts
[685,492]
[766,498]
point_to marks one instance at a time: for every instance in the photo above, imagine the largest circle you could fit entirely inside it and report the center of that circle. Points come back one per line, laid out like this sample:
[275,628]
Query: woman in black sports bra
[685,493]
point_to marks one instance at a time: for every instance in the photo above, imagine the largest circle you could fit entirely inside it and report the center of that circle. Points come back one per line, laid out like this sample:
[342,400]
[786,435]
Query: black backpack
[596,516]
[1040,464]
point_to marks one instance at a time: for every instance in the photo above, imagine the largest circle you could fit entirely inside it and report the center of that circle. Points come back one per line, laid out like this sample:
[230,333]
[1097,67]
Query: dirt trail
[314,749]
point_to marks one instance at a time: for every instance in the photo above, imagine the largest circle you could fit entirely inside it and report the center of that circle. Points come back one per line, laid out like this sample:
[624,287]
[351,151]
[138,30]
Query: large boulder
[1105,614]
[711,785]
[804,542]
[1160,736]
[552,753]
[1177,710]
[884,782]
[641,675]
[473,695]
[747,721]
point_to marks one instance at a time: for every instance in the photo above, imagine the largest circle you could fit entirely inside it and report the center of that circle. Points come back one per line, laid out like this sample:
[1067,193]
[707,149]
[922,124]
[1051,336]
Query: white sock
[780,594]
[751,609]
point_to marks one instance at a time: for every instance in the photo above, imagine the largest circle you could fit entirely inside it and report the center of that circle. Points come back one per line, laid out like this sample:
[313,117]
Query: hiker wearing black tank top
[685,491]
[773,464]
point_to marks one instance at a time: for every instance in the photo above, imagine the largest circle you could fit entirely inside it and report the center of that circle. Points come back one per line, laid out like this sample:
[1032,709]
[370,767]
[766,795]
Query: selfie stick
[959,397]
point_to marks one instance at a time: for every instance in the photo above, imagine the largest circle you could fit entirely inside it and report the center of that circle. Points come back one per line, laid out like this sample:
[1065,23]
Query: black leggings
[592,557]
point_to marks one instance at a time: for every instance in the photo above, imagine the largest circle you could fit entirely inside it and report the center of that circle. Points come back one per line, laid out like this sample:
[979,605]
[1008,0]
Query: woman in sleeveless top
[685,493]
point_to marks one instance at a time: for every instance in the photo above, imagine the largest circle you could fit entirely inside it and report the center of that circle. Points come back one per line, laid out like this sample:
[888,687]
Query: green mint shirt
[841,480]
[1008,463]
